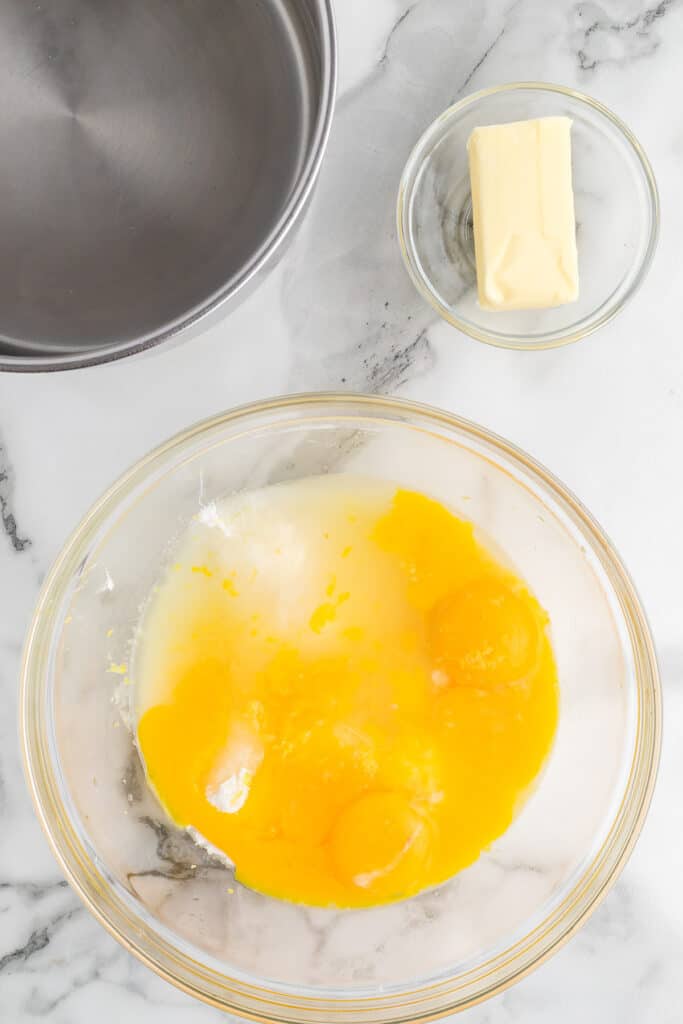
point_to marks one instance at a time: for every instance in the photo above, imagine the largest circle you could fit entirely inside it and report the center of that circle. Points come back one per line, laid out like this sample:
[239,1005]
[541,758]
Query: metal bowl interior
[182,912]
[155,156]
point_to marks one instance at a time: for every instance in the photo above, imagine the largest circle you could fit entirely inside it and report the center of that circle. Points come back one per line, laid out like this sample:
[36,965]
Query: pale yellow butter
[523,207]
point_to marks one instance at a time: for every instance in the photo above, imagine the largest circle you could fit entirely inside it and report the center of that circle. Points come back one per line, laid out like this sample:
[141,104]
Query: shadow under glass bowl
[155,157]
[183,913]
[616,205]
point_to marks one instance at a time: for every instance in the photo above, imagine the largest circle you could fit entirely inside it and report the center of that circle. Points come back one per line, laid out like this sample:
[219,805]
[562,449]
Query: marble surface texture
[606,415]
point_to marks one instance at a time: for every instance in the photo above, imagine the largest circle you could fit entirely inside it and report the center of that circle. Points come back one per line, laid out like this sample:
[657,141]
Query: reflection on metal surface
[154,157]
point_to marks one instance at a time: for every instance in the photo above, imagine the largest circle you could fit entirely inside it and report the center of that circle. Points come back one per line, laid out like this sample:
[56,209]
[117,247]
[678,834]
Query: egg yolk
[343,690]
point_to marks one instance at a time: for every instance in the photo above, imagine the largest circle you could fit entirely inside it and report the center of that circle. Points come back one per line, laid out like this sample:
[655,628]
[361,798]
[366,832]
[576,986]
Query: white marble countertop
[606,415]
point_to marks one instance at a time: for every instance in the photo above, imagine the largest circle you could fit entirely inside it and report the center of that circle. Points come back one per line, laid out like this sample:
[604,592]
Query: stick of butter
[523,209]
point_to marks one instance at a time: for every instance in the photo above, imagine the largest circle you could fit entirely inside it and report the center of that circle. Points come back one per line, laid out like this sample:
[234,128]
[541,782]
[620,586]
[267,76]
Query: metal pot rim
[271,245]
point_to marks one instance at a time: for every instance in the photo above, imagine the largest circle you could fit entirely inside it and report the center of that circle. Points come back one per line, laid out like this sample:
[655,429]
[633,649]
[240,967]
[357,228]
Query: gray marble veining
[339,312]
[7,517]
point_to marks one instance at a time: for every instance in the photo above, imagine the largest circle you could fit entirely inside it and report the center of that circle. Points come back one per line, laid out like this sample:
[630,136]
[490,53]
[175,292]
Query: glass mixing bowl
[182,912]
[615,200]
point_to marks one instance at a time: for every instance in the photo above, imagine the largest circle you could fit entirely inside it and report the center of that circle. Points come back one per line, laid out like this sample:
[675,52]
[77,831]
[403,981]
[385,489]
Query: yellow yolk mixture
[342,689]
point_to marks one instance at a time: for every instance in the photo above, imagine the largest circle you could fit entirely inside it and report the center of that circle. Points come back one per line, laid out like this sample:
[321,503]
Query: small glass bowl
[181,911]
[616,203]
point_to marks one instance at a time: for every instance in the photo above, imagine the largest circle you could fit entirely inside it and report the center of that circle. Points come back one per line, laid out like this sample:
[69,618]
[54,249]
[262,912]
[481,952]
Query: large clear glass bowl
[183,913]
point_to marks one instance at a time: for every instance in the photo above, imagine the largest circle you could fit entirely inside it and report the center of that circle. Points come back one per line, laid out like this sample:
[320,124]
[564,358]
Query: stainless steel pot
[155,156]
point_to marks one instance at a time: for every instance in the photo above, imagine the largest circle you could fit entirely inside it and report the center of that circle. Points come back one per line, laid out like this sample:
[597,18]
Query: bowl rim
[410,175]
[249,996]
[185,325]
